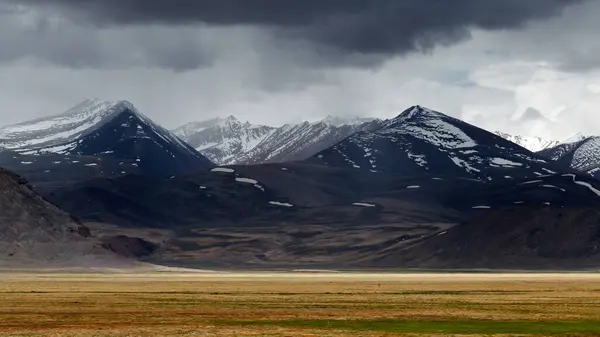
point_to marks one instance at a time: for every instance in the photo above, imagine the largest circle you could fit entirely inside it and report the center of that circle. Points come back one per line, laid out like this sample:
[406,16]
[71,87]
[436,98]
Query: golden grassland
[298,304]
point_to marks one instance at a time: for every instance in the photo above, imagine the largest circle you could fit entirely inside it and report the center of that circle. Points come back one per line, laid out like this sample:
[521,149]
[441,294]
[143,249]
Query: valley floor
[298,304]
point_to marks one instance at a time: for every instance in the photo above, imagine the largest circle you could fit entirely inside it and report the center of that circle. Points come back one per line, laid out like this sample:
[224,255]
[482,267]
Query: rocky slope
[423,141]
[582,155]
[35,233]
[303,214]
[223,140]
[229,141]
[531,238]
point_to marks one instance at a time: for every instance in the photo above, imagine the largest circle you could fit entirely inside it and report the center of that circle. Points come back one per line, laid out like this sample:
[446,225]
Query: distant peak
[579,136]
[339,120]
[416,111]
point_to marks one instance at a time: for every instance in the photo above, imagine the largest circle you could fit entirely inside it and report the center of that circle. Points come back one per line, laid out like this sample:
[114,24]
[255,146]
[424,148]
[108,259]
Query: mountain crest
[106,128]
[418,112]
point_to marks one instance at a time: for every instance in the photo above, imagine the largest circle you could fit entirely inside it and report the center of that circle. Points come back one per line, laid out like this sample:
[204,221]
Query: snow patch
[481,207]
[532,182]
[555,187]
[283,204]
[583,183]
[503,162]
[363,204]
[222,169]
[419,159]
[413,186]
[461,163]
[246,181]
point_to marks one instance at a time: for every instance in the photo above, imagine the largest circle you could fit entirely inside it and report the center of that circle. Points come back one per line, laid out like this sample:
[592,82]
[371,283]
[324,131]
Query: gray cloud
[349,26]
[531,114]
[29,35]
[287,67]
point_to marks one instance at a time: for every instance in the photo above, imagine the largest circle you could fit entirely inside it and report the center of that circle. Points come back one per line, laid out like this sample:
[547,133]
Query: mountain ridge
[230,141]
[111,130]
[423,140]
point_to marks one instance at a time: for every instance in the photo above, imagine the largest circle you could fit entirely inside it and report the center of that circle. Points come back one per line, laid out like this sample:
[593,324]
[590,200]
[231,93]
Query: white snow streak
[363,204]
[222,169]
[283,204]
[246,180]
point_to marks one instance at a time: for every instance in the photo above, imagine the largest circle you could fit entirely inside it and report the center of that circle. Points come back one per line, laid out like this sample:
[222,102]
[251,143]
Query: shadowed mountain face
[35,233]
[423,141]
[581,154]
[104,138]
[309,215]
[420,190]
[533,237]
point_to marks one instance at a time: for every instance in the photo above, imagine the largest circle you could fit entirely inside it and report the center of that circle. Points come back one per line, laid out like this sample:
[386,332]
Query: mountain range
[421,190]
[229,141]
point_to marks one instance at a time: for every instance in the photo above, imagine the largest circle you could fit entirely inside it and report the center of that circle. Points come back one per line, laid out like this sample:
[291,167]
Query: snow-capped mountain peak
[418,111]
[579,136]
[430,126]
[533,144]
[95,128]
[48,131]
[223,139]
[421,139]
[229,141]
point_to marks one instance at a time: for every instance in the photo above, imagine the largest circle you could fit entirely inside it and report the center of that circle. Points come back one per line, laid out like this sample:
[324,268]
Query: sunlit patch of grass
[466,327]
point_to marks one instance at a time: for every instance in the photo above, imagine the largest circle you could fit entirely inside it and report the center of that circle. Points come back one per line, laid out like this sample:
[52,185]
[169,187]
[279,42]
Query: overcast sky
[525,67]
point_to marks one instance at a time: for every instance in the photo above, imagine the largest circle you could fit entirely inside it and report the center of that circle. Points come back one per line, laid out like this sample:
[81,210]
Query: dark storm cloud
[30,35]
[356,26]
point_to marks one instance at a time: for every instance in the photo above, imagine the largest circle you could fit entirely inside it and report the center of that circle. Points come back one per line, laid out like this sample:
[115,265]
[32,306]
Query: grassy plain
[299,304]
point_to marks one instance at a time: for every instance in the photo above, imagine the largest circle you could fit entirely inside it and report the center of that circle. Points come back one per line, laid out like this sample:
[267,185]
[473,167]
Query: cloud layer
[526,67]
[334,29]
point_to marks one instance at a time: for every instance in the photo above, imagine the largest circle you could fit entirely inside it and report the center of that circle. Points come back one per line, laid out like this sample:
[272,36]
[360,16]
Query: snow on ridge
[586,154]
[461,163]
[555,187]
[363,204]
[53,130]
[279,203]
[531,182]
[533,144]
[502,162]
[431,126]
[246,180]
[588,185]
[58,133]
[222,169]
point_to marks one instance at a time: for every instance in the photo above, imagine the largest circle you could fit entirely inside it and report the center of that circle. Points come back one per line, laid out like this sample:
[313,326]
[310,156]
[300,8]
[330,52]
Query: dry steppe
[297,303]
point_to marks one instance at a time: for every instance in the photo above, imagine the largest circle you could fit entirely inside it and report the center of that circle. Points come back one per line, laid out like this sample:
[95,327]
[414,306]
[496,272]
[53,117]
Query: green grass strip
[445,327]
